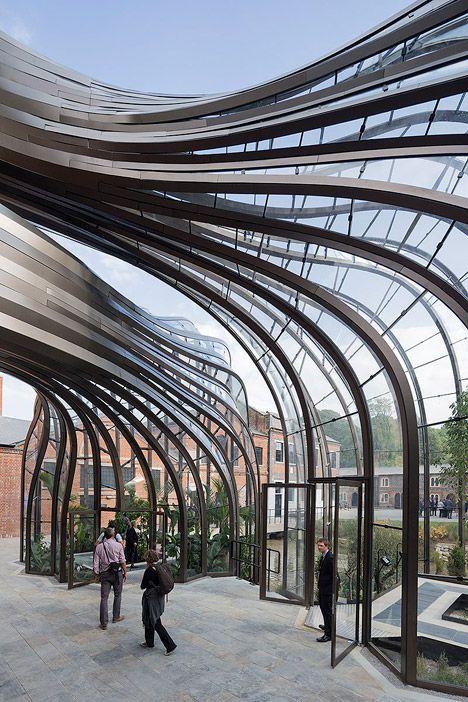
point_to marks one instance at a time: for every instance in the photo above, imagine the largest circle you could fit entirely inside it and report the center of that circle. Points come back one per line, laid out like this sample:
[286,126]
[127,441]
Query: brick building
[270,450]
[388,483]
[12,435]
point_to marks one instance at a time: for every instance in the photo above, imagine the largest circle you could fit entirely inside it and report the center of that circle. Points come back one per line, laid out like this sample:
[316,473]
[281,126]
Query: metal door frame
[309,551]
[359,484]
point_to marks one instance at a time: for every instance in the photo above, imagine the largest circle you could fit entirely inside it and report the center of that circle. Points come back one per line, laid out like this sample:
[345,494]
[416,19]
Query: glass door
[347,568]
[283,557]
[81,537]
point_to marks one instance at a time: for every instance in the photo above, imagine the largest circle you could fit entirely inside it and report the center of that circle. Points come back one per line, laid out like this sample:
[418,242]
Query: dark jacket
[131,537]
[325,578]
[152,601]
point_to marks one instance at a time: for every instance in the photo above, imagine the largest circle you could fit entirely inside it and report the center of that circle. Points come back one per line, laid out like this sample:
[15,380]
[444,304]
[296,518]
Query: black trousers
[131,553]
[163,635]
[110,580]
[325,603]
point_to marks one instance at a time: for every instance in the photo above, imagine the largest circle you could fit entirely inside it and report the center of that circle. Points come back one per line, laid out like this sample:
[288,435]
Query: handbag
[114,567]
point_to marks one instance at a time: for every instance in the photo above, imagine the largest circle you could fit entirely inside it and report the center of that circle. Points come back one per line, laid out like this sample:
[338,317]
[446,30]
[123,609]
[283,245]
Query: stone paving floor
[231,647]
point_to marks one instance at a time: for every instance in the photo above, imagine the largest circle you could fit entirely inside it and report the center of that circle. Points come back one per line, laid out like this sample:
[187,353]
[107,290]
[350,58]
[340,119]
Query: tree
[437,446]
[455,474]
[385,433]
[338,428]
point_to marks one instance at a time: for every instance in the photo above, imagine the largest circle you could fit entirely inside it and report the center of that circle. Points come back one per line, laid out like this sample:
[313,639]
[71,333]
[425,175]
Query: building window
[86,475]
[333,459]
[435,482]
[156,475]
[278,502]
[235,454]
[222,438]
[384,483]
[108,477]
[292,454]
[384,497]
[259,455]
[279,452]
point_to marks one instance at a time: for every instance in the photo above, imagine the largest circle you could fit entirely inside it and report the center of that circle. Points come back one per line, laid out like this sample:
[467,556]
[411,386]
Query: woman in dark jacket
[153,606]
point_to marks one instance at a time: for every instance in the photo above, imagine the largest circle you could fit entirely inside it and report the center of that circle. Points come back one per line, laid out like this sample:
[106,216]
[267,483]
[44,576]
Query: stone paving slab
[231,647]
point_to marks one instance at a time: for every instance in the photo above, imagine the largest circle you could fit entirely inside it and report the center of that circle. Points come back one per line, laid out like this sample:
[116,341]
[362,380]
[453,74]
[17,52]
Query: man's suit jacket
[325,578]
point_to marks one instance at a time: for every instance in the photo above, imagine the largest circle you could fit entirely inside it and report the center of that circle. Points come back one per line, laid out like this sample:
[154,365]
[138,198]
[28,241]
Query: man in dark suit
[325,588]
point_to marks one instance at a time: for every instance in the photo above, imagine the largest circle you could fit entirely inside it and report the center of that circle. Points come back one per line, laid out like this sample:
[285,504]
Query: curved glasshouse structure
[321,217]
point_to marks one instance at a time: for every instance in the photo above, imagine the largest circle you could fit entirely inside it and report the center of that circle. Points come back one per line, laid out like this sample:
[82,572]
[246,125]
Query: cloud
[18,398]
[15,26]
[115,271]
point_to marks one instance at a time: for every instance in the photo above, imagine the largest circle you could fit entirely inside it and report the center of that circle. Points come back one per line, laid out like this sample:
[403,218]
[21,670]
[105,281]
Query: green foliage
[438,562]
[385,432]
[455,474]
[421,666]
[387,542]
[339,429]
[135,510]
[40,555]
[456,561]
[132,502]
[437,446]
[219,532]
[47,479]
[247,519]
[441,672]
[162,503]
[194,547]
[173,552]
[74,505]
[84,535]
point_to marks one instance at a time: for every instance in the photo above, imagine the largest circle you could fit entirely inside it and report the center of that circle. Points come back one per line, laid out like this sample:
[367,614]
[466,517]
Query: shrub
[438,562]
[438,533]
[421,668]
[442,663]
[456,561]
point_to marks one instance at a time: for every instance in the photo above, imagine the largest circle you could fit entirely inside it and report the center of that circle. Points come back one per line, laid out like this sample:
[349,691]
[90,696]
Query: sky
[182,47]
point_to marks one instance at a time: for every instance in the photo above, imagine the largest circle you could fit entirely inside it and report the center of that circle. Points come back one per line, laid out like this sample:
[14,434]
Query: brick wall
[10,491]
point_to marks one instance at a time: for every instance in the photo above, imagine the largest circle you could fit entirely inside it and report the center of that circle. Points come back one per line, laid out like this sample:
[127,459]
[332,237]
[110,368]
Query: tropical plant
[219,533]
[84,535]
[40,555]
[47,479]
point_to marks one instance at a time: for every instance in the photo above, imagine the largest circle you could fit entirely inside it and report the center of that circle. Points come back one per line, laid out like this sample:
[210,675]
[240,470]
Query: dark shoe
[322,627]
[145,645]
[168,653]
[118,619]
[324,638]
[103,626]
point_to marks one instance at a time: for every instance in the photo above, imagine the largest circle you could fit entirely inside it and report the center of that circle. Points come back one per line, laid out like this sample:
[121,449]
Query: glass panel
[285,557]
[219,528]
[294,561]
[386,591]
[348,569]
[443,630]
[81,548]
